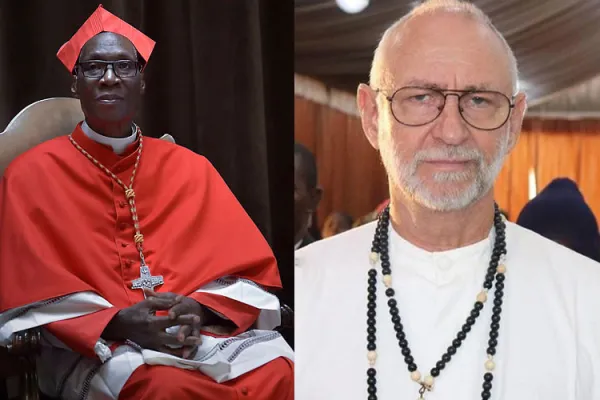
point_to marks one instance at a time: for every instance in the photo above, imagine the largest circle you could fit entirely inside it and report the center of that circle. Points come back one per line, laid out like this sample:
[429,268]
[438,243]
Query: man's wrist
[113,330]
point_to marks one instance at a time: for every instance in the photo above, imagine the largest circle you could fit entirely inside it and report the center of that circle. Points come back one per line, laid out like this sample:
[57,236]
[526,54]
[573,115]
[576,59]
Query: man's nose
[451,128]
[109,77]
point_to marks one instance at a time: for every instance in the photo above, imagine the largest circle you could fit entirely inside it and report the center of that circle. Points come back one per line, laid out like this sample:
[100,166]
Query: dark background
[220,80]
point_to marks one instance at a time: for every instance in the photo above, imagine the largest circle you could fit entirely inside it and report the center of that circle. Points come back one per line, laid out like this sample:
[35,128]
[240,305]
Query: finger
[188,319]
[179,308]
[149,292]
[170,295]
[192,341]
[195,335]
[163,295]
[176,310]
[186,352]
[171,342]
[183,332]
[160,323]
[159,303]
[169,339]
[189,352]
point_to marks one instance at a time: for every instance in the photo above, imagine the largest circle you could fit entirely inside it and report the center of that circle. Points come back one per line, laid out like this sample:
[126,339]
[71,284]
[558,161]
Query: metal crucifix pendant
[146,280]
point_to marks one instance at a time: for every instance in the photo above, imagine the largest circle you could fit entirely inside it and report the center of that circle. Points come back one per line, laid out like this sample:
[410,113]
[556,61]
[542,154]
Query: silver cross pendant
[146,280]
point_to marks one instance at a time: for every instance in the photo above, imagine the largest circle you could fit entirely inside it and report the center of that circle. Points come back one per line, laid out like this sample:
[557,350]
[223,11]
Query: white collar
[118,144]
[439,267]
[410,249]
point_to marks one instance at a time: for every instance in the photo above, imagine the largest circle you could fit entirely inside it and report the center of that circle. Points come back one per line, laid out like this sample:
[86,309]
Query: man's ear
[516,120]
[367,106]
[74,90]
[317,194]
[143,86]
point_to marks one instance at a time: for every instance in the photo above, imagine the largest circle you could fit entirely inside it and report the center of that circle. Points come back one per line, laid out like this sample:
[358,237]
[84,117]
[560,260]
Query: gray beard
[448,197]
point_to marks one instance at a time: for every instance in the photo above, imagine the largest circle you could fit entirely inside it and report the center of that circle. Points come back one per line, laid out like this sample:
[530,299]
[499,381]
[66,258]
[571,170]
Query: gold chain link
[129,192]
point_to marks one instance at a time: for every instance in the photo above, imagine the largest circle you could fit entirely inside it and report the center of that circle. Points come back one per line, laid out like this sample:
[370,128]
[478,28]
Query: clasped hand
[140,324]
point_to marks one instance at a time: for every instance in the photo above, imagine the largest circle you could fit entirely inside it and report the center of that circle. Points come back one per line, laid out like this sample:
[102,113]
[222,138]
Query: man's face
[112,96]
[446,164]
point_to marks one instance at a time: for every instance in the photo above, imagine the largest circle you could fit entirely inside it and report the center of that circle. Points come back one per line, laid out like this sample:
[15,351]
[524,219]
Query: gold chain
[129,192]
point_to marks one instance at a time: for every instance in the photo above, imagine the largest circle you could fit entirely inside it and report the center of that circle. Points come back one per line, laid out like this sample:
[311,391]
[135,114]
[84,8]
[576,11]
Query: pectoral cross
[146,280]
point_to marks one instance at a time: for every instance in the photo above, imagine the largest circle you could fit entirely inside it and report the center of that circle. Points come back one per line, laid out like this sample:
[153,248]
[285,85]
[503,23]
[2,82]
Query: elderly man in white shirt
[442,298]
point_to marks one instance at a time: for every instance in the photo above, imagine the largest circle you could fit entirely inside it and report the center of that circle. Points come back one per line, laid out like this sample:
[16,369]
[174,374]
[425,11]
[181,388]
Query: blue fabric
[560,213]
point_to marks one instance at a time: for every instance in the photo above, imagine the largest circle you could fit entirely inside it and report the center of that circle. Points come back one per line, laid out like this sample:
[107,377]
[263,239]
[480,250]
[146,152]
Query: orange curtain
[571,149]
[512,187]
[350,173]
[552,149]
[589,166]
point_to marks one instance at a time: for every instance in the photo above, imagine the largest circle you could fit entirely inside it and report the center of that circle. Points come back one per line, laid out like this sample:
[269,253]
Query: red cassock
[66,227]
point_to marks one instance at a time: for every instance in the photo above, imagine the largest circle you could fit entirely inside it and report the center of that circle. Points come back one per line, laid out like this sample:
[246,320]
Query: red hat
[103,21]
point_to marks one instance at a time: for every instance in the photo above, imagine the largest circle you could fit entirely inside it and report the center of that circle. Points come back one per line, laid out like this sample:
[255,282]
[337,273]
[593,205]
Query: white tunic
[549,339]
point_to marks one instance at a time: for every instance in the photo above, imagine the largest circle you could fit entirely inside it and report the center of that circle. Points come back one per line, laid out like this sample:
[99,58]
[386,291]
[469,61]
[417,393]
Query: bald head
[433,71]
[445,24]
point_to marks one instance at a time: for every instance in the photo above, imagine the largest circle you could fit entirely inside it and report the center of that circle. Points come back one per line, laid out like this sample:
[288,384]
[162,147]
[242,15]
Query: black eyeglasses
[418,106]
[97,68]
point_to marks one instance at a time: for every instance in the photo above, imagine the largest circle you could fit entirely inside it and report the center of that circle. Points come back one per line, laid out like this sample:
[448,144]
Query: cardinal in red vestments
[146,275]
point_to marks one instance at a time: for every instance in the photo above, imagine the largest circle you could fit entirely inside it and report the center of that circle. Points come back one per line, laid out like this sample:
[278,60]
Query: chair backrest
[39,122]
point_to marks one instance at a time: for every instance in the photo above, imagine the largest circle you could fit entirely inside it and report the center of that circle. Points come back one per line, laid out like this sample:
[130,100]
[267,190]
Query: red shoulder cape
[66,227]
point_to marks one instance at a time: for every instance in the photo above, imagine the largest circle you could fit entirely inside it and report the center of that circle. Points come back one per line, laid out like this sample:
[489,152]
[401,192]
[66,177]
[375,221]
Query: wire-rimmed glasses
[482,109]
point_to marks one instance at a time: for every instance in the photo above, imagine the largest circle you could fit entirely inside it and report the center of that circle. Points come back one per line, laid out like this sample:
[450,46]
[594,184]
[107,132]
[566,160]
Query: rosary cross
[146,280]
[424,388]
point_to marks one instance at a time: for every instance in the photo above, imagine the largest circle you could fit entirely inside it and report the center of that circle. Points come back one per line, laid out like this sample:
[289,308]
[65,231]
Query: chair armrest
[26,343]
[18,358]
[11,365]
[287,317]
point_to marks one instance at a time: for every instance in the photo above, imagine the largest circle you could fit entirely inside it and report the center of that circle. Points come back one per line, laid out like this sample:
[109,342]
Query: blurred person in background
[560,213]
[336,222]
[307,195]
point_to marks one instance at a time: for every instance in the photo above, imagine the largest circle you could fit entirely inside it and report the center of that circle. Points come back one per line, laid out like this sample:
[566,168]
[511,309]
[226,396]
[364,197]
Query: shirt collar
[119,145]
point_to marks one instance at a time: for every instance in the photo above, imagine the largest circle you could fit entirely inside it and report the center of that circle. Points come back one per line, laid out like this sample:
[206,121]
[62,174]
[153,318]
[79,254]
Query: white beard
[448,197]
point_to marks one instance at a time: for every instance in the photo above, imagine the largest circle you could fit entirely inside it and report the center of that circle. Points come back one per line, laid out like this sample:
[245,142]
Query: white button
[444,263]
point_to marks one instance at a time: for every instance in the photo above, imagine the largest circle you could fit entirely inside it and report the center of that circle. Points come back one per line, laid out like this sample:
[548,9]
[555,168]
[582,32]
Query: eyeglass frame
[138,68]
[450,92]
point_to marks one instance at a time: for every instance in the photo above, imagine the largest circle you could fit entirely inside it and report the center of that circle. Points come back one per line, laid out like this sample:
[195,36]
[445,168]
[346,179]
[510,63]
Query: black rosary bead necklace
[496,270]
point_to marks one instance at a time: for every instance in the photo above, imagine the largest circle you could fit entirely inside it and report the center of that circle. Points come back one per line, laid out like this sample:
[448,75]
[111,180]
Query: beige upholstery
[168,138]
[39,122]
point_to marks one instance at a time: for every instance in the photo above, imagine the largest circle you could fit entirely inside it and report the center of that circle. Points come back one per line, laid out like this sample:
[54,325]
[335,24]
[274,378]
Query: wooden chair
[41,121]
[35,124]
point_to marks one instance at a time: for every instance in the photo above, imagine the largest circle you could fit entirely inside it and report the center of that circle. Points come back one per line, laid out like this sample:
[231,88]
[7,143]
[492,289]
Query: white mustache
[458,154]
